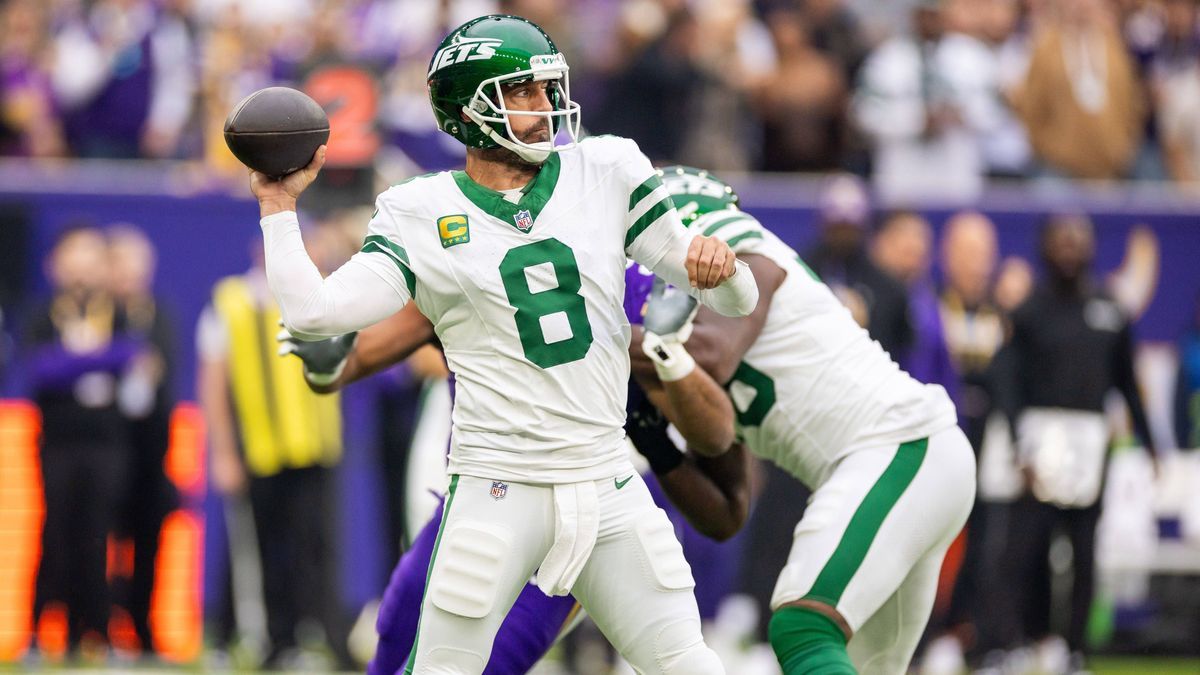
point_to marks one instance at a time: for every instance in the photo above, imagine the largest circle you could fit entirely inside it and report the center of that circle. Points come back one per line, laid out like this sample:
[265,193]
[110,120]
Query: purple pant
[527,633]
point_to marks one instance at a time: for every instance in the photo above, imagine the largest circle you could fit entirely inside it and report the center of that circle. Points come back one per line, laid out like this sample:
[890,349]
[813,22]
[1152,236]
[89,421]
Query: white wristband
[671,360]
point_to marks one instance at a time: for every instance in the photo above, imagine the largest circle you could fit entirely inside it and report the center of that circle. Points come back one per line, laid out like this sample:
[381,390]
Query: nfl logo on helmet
[523,220]
[499,490]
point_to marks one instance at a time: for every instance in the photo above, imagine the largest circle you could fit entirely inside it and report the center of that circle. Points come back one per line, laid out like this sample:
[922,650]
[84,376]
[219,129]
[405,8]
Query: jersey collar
[533,196]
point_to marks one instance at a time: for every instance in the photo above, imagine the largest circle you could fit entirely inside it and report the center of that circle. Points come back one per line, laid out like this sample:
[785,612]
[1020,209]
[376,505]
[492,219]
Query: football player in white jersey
[893,477]
[519,264]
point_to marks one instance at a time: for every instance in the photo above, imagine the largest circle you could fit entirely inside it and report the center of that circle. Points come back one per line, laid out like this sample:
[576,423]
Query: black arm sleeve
[1126,382]
[1005,373]
[646,427]
[1183,409]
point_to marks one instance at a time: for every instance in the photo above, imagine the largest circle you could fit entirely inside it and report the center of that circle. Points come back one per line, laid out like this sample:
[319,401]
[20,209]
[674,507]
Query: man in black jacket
[1071,344]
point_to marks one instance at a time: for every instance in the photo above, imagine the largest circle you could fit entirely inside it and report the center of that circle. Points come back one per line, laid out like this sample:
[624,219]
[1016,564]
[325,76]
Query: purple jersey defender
[535,620]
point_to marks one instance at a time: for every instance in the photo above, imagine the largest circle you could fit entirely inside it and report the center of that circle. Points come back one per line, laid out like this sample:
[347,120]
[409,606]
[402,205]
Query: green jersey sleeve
[383,249]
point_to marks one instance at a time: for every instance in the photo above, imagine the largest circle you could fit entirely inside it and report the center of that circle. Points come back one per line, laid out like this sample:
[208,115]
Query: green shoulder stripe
[377,243]
[657,211]
[639,193]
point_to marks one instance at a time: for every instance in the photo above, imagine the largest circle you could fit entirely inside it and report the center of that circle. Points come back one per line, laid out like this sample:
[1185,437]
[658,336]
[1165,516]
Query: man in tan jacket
[1082,102]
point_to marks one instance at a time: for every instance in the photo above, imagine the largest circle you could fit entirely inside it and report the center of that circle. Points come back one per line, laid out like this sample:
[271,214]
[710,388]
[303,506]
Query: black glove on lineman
[323,360]
[647,429]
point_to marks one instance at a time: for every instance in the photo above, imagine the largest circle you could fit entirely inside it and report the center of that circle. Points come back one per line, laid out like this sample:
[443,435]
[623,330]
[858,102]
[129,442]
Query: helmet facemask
[487,108]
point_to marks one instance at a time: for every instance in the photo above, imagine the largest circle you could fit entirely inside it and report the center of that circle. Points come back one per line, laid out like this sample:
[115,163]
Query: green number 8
[531,306]
[751,413]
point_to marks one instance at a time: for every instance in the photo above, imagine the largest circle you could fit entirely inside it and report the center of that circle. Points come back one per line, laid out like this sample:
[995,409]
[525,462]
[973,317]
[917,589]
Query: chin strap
[529,153]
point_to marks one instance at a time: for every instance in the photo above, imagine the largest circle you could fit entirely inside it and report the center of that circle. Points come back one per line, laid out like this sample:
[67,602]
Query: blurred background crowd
[262,521]
[1052,89]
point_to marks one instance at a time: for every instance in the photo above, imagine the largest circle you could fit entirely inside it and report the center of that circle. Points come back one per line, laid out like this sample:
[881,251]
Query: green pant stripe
[412,656]
[657,211]
[865,523]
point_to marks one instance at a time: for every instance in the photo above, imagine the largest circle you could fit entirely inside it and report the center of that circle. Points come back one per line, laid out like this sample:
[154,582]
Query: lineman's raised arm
[367,289]
[657,238]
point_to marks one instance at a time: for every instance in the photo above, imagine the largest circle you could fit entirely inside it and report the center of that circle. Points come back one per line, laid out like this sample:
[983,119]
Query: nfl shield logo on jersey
[523,220]
[499,490]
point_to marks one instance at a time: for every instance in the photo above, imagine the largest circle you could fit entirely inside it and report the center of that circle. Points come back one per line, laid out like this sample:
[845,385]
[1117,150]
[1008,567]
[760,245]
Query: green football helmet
[473,62]
[696,192]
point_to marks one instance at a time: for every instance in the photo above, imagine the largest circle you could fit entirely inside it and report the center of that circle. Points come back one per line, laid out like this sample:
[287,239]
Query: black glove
[647,429]
[323,360]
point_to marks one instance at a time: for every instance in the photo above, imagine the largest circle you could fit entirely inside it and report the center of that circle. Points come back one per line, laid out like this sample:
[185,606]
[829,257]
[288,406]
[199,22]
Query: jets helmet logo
[464,49]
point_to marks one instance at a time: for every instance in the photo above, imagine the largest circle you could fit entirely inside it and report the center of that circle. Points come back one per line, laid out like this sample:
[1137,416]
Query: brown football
[276,130]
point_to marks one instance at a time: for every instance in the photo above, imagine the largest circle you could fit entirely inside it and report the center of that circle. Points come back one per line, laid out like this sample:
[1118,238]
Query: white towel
[576,523]
[1066,450]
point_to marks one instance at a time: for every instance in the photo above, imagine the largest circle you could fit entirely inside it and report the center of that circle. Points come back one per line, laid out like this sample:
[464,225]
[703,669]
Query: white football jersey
[814,385]
[525,293]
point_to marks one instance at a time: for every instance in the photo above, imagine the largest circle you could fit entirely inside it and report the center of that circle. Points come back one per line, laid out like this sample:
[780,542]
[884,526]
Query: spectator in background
[1176,86]
[736,56]
[876,300]
[835,31]
[803,103]
[274,441]
[407,31]
[146,399]
[663,79]
[923,100]
[1070,346]
[29,119]
[1014,283]
[77,351]
[1081,102]
[974,330]
[1187,385]
[901,248]
[125,75]
[1001,27]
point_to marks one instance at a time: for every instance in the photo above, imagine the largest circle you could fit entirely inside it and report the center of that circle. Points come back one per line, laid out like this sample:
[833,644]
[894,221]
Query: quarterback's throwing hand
[709,262]
[275,196]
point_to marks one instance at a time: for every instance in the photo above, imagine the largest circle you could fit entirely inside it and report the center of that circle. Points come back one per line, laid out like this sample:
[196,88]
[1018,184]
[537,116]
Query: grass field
[1144,666]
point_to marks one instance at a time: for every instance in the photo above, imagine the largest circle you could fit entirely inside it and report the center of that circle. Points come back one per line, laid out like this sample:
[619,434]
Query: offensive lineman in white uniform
[893,477]
[519,264]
